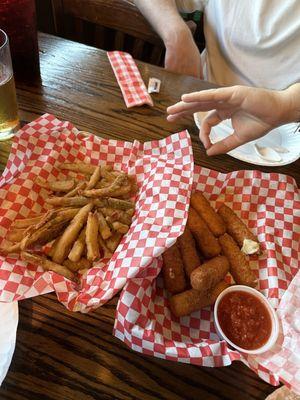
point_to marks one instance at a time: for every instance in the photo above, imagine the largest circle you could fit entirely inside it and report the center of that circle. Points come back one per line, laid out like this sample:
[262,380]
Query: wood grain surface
[68,356]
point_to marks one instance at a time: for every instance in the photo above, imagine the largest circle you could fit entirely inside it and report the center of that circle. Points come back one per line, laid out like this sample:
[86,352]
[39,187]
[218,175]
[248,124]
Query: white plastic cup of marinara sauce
[274,319]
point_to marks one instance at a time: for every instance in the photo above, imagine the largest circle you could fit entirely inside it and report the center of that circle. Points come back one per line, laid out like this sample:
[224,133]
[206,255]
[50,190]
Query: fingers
[182,109]
[175,117]
[225,145]
[210,120]
[212,95]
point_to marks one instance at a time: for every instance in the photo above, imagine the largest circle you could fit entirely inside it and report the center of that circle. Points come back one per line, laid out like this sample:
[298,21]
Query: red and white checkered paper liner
[129,79]
[164,171]
[270,205]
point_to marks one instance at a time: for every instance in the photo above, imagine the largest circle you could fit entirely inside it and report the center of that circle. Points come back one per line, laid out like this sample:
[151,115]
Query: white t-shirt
[250,42]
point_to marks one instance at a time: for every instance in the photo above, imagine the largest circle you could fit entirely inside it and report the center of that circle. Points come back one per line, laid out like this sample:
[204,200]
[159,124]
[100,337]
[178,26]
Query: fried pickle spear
[173,270]
[116,215]
[192,300]
[113,242]
[209,215]
[239,266]
[78,247]
[26,222]
[53,247]
[112,190]
[106,252]
[236,227]
[91,237]
[119,204]
[94,178]
[10,248]
[16,235]
[46,264]
[56,186]
[71,233]
[205,277]
[77,201]
[188,251]
[208,244]
[76,190]
[104,229]
[119,227]
[47,231]
[86,169]
[83,263]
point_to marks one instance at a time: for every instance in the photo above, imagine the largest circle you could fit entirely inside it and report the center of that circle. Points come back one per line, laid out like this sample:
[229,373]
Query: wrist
[291,103]
[177,34]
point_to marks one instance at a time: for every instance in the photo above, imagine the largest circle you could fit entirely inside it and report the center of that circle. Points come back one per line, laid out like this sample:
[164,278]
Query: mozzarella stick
[91,237]
[94,178]
[208,244]
[78,247]
[239,266]
[209,215]
[46,264]
[173,270]
[205,277]
[71,233]
[192,300]
[188,251]
[236,227]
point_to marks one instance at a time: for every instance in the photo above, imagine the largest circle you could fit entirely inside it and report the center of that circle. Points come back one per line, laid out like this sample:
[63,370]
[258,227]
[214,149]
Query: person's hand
[182,55]
[253,112]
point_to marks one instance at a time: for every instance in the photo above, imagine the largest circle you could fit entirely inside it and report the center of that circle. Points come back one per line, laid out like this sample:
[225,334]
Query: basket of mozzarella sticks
[242,236]
[82,215]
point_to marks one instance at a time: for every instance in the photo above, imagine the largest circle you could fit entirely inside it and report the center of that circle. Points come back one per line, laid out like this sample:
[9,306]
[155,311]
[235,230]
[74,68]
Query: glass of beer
[9,121]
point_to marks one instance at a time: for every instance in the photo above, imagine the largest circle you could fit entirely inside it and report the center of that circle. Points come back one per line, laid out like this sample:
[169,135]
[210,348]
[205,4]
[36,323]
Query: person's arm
[182,54]
[292,103]
[253,112]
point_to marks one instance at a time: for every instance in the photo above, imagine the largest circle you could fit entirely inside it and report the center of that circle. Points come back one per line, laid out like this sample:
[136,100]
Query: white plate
[284,136]
[9,316]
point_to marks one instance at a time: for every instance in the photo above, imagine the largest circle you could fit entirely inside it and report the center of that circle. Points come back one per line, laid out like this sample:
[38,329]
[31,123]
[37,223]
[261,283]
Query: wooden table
[68,356]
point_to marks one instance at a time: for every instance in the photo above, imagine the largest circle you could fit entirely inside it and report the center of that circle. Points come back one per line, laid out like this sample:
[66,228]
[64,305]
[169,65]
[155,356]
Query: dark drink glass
[18,20]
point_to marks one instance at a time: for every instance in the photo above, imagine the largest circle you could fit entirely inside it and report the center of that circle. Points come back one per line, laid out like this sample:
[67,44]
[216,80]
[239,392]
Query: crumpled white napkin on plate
[9,316]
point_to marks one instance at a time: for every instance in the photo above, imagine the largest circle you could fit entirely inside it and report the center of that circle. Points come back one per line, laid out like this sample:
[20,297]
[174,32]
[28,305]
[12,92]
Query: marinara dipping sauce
[244,319]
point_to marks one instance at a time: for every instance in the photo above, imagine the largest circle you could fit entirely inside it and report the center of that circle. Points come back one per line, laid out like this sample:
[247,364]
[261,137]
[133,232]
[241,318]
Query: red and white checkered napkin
[163,170]
[270,204]
[129,79]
